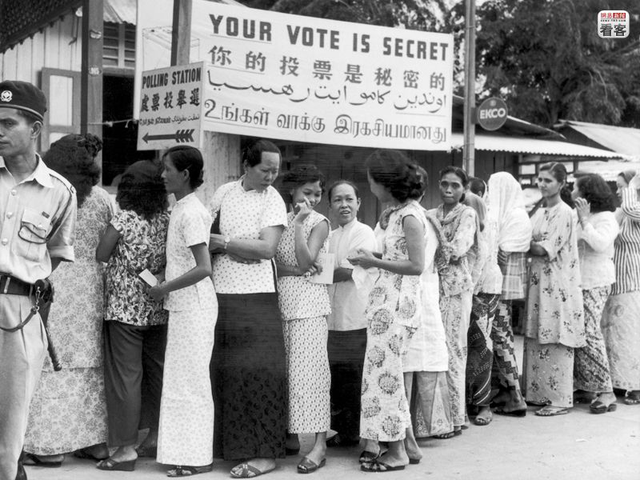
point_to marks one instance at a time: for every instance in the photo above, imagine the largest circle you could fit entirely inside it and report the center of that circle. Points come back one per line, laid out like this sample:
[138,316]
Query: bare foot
[484,416]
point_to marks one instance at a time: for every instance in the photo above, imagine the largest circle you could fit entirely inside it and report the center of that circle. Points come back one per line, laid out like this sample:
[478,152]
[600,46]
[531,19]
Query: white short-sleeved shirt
[190,225]
[38,222]
[347,307]
[243,214]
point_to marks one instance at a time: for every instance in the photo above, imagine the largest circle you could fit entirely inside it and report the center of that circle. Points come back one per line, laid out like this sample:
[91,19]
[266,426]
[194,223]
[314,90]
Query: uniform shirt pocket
[32,235]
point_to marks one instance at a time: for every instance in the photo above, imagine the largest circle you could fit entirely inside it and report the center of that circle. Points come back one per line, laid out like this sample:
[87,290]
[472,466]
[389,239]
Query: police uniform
[37,221]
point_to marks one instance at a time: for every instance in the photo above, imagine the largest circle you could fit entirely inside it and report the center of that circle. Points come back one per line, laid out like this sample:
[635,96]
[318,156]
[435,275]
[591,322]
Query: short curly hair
[73,157]
[142,190]
[596,192]
[394,171]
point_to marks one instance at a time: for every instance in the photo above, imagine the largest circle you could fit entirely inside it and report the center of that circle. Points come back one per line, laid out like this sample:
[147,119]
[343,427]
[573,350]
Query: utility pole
[468,150]
[220,151]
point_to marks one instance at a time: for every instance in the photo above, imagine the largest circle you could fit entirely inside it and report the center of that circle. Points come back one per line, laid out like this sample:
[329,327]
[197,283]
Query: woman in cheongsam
[394,309]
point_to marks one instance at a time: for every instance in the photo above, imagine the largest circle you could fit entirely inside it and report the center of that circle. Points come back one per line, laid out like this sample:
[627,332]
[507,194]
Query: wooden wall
[58,46]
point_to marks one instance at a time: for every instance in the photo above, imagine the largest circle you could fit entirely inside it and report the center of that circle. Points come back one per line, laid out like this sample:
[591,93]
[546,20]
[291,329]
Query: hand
[313,269]
[583,208]
[635,182]
[363,258]
[157,292]
[304,209]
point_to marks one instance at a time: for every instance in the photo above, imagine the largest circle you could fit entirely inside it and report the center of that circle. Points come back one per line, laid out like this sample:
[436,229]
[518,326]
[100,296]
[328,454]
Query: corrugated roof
[120,11]
[501,143]
[617,139]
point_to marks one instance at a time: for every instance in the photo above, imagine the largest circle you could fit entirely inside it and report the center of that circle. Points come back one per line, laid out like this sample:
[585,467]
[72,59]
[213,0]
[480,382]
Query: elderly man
[37,219]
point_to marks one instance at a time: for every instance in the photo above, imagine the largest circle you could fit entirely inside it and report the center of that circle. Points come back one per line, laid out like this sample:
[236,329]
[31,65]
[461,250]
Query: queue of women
[220,340]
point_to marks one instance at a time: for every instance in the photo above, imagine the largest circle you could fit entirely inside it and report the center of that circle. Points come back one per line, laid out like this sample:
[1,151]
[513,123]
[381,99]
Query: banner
[312,80]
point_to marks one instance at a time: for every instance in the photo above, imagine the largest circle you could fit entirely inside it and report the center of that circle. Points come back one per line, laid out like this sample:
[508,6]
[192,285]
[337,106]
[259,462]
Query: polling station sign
[307,79]
[171,107]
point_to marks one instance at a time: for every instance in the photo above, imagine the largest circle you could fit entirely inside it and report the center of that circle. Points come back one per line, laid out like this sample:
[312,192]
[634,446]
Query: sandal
[368,457]
[445,436]
[85,454]
[31,460]
[187,471]
[309,466]
[244,470]
[520,412]
[551,411]
[110,464]
[632,398]
[378,466]
[601,407]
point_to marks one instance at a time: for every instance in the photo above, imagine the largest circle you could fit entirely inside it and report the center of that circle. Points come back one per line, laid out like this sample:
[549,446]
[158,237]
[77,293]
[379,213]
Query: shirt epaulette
[63,180]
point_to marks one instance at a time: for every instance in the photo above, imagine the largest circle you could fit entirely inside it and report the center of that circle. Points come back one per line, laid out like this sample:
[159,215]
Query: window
[119,48]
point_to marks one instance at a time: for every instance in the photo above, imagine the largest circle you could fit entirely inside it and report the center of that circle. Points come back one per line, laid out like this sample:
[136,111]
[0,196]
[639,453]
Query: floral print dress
[393,314]
[554,310]
[555,320]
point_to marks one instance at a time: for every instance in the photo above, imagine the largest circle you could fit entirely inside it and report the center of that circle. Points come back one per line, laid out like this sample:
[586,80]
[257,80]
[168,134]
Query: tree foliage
[431,15]
[546,59]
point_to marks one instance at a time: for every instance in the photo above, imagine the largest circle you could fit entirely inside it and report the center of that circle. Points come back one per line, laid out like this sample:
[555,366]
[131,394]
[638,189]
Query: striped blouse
[627,246]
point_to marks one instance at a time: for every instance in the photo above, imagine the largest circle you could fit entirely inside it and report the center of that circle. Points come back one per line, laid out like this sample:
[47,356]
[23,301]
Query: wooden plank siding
[54,47]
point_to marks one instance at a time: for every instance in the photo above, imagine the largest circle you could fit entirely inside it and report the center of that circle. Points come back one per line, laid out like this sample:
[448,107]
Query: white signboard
[171,107]
[307,79]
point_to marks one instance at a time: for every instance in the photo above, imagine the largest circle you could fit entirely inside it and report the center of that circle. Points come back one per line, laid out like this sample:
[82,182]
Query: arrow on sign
[180,136]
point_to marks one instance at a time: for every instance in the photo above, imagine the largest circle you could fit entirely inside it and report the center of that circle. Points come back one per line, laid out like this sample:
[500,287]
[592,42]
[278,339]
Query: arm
[263,248]
[555,235]
[307,251]
[601,235]
[201,271]
[107,244]
[414,265]
[342,274]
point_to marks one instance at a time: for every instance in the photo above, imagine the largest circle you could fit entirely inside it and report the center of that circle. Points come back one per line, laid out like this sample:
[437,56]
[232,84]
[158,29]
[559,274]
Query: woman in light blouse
[597,231]
[248,363]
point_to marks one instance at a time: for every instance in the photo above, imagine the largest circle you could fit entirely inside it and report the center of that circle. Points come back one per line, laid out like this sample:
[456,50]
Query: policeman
[37,221]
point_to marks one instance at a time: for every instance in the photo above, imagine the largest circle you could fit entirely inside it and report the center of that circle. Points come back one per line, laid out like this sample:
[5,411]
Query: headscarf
[505,206]
[477,203]
[628,175]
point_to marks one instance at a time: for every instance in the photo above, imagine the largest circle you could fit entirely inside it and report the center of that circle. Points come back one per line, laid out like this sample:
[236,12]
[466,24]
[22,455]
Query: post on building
[468,150]
[91,73]
[221,152]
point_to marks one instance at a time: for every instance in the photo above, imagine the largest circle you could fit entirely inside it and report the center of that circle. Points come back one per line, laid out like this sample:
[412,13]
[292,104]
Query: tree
[546,59]
[430,15]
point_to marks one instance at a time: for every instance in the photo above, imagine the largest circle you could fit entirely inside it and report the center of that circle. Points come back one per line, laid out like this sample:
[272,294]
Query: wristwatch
[227,240]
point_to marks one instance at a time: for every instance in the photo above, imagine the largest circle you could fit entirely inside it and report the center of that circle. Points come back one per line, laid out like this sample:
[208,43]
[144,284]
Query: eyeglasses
[454,185]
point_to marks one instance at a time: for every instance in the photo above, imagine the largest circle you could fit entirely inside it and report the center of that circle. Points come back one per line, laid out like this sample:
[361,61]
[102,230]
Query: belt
[13,286]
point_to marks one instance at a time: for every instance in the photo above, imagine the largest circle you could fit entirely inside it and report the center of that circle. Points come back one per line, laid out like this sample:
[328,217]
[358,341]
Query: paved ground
[579,445]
